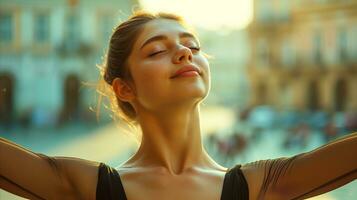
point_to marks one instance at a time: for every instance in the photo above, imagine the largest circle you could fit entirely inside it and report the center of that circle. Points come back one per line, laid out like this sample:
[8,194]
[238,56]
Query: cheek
[204,64]
[149,79]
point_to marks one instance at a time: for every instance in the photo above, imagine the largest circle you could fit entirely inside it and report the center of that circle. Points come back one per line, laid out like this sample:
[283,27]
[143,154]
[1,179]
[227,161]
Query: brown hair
[115,61]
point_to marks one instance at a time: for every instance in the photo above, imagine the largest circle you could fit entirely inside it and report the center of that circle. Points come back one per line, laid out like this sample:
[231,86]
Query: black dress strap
[235,186]
[109,186]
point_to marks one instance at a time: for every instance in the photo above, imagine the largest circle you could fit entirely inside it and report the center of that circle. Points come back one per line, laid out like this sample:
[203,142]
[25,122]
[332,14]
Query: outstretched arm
[305,175]
[37,176]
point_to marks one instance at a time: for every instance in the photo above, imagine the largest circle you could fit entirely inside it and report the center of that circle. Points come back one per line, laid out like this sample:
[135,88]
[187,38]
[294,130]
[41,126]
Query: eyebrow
[164,37]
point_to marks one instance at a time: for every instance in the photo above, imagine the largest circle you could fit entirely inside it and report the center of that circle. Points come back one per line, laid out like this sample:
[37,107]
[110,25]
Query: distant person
[159,74]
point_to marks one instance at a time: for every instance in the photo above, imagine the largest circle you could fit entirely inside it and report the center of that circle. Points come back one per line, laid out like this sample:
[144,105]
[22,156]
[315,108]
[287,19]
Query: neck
[172,140]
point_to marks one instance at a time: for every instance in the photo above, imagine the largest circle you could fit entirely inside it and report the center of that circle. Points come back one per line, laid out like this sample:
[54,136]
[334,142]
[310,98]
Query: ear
[123,90]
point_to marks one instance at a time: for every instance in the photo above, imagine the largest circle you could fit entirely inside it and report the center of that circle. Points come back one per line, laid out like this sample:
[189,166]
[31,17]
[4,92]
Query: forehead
[161,27]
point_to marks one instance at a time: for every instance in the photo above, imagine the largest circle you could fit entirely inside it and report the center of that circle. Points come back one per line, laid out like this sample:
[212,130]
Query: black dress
[109,186]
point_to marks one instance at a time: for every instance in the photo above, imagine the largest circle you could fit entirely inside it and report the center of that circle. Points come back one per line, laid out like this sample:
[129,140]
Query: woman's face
[162,48]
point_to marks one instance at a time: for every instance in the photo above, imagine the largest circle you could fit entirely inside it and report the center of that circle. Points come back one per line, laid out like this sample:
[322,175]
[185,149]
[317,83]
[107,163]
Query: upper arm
[307,174]
[46,177]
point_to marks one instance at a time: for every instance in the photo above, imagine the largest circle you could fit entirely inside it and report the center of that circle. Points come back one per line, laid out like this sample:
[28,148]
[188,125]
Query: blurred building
[228,53]
[47,49]
[304,54]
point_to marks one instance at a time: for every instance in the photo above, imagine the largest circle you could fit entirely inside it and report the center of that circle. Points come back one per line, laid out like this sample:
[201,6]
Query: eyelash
[192,48]
[195,48]
[153,54]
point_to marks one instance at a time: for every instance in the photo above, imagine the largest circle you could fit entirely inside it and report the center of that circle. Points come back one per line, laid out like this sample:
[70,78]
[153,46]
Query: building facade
[47,49]
[304,55]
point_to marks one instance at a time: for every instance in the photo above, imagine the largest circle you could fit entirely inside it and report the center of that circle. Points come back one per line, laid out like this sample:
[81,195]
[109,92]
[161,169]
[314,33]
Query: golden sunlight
[209,14]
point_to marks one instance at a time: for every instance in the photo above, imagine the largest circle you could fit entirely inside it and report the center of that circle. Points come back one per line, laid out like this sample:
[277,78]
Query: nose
[183,54]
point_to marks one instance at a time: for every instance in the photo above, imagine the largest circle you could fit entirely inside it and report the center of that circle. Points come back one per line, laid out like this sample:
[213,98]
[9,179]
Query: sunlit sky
[210,14]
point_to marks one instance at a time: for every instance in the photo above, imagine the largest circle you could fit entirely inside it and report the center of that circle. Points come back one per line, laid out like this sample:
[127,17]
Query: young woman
[159,76]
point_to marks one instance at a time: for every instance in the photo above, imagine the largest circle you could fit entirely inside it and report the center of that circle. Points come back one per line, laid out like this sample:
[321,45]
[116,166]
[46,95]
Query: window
[313,96]
[6,28]
[6,99]
[317,47]
[287,53]
[341,93]
[264,11]
[285,9]
[353,43]
[263,53]
[41,28]
[72,31]
[342,45]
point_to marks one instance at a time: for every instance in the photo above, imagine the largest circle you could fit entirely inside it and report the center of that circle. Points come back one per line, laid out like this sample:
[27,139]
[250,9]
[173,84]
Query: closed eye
[195,48]
[155,53]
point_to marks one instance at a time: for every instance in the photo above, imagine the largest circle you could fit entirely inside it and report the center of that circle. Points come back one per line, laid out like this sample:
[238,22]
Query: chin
[194,96]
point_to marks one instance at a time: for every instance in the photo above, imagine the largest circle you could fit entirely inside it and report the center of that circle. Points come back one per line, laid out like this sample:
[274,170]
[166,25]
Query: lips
[187,70]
